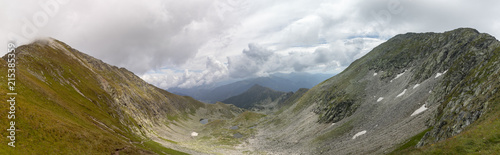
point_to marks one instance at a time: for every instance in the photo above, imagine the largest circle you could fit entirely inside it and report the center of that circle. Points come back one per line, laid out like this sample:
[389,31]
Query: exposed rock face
[464,57]
[340,106]
[412,82]
[470,85]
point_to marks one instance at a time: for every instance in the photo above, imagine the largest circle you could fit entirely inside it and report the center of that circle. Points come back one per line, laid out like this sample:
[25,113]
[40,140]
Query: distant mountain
[279,82]
[258,97]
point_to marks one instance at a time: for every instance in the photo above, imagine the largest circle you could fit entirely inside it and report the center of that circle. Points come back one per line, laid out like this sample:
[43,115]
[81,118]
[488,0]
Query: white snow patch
[359,134]
[402,93]
[333,124]
[416,86]
[380,99]
[419,110]
[438,75]
[399,75]
[430,91]
[374,74]
[194,134]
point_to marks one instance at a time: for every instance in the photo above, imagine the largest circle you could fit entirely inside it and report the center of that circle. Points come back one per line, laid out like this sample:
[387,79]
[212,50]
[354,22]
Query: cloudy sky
[188,43]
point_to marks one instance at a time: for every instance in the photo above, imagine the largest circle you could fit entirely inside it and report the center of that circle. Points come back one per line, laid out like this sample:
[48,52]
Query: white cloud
[140,36]
[160,38]
[214,71]
[258,60]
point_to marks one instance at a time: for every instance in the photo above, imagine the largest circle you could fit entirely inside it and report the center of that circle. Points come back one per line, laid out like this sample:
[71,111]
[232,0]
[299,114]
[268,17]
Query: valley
[417,93]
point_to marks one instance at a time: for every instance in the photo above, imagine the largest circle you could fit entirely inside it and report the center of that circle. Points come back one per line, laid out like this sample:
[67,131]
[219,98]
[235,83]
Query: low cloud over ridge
[195,42]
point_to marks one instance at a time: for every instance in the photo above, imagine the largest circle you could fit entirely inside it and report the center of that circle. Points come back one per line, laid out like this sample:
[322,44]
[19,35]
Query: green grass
[410,144]
[168,140]
[218,133]
[159,149]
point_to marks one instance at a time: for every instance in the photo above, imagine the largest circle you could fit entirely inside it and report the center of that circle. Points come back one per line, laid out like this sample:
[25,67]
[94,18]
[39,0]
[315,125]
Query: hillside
[75,103]
[413,89]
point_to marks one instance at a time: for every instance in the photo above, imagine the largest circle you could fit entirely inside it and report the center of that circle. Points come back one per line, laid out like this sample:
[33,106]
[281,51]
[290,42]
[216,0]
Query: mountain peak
[280,82]
[84,98]
[255,95]
[259,87]
[464,30]
[409,73]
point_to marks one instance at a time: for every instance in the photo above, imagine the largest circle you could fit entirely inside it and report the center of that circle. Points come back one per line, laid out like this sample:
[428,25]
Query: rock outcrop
[413,83]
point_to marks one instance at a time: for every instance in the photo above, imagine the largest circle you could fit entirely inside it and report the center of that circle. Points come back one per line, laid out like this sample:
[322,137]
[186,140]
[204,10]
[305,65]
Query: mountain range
[416,93]
[279,81]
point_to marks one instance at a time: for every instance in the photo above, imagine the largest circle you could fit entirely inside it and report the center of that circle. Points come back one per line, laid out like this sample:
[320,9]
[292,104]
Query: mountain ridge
[90,106]
[259,98]
[278,81]
[417,93]
[378,96]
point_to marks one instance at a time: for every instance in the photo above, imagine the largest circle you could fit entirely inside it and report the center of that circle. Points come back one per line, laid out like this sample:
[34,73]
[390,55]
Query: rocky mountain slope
[69,102]
[412,89]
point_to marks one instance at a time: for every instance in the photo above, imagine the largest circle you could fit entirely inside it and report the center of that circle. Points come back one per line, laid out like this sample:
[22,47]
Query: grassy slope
[52,117]
[217,134]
